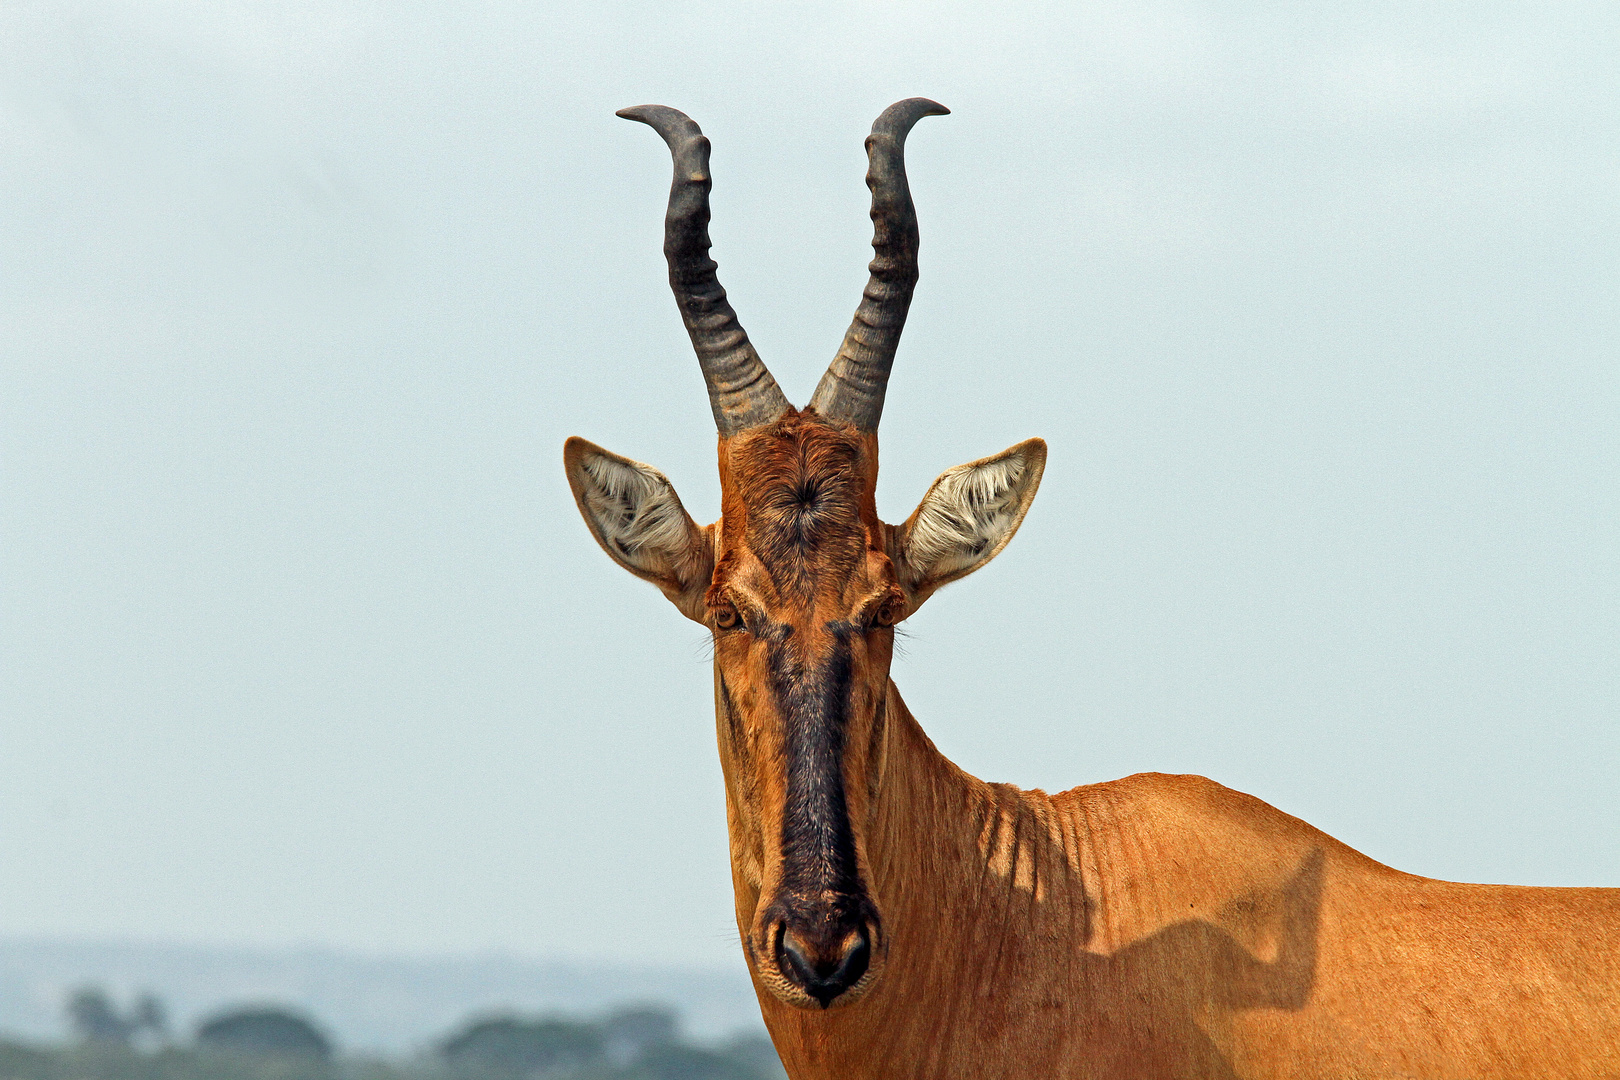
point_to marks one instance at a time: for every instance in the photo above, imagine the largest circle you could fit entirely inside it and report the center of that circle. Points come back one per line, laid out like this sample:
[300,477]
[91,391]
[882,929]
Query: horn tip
[676,128]
[919,106]
[898,118]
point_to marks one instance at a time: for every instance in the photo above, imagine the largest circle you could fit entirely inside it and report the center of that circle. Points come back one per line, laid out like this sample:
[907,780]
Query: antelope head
[799,582]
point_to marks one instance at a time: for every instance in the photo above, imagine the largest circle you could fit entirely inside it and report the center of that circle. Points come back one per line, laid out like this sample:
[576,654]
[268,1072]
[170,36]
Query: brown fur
[1157,926]
[1165,926]
[801,503]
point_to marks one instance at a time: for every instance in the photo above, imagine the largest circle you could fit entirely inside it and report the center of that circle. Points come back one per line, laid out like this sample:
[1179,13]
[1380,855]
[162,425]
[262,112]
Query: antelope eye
[726,618]
[889,613]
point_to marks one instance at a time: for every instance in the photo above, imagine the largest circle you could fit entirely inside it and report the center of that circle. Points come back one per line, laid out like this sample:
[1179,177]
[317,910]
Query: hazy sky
[303,641]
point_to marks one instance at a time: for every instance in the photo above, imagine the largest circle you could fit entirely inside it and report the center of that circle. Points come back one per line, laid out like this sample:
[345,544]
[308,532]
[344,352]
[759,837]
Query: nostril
[792,956]
[857,957]
[823,973]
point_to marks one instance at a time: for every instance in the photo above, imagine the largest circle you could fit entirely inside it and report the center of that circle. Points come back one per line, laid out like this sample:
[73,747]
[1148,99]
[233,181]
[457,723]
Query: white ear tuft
[634,513]
[968,516]
[634,506]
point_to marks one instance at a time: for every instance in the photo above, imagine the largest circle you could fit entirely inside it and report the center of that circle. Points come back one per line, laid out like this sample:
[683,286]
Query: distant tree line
[96,1020]
[275,1043]
[639,1043]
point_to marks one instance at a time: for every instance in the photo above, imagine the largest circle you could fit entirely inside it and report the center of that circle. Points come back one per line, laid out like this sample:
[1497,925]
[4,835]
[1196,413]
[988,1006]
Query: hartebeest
[901,918]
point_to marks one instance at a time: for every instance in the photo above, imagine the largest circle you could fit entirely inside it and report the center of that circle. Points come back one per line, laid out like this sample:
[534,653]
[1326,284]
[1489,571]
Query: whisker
[703,649]
[901,636]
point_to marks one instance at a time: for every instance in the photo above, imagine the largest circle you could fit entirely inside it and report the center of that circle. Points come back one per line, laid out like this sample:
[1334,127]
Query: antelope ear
[966,518]
[635,515]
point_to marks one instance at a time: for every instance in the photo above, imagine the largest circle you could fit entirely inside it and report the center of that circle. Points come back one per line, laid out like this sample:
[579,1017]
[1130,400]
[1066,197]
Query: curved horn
[741,391]
[853,387]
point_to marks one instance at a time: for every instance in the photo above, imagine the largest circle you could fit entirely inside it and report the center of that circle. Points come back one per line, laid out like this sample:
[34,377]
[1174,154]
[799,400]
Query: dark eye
[726,618]
[889,612]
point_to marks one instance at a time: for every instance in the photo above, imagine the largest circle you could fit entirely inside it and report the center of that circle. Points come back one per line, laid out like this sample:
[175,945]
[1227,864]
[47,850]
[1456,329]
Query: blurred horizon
[370,1003]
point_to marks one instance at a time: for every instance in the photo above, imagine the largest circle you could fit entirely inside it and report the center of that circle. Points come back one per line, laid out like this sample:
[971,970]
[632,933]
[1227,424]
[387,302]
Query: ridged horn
[741,390]
[853,387]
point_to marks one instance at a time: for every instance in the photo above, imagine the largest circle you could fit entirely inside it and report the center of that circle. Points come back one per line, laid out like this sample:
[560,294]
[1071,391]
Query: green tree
[507,1047]
[264,1032]
[94,1020]
[673,1061]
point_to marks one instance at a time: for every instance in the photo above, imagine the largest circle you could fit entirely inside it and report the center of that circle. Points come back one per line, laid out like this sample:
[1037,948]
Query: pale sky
[1317,306]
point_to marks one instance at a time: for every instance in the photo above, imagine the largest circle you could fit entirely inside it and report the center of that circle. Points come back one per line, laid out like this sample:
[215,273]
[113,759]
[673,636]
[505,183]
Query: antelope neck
[986,842]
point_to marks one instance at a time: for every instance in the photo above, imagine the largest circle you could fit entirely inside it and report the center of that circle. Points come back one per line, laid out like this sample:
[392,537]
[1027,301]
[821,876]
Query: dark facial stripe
[818,844]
